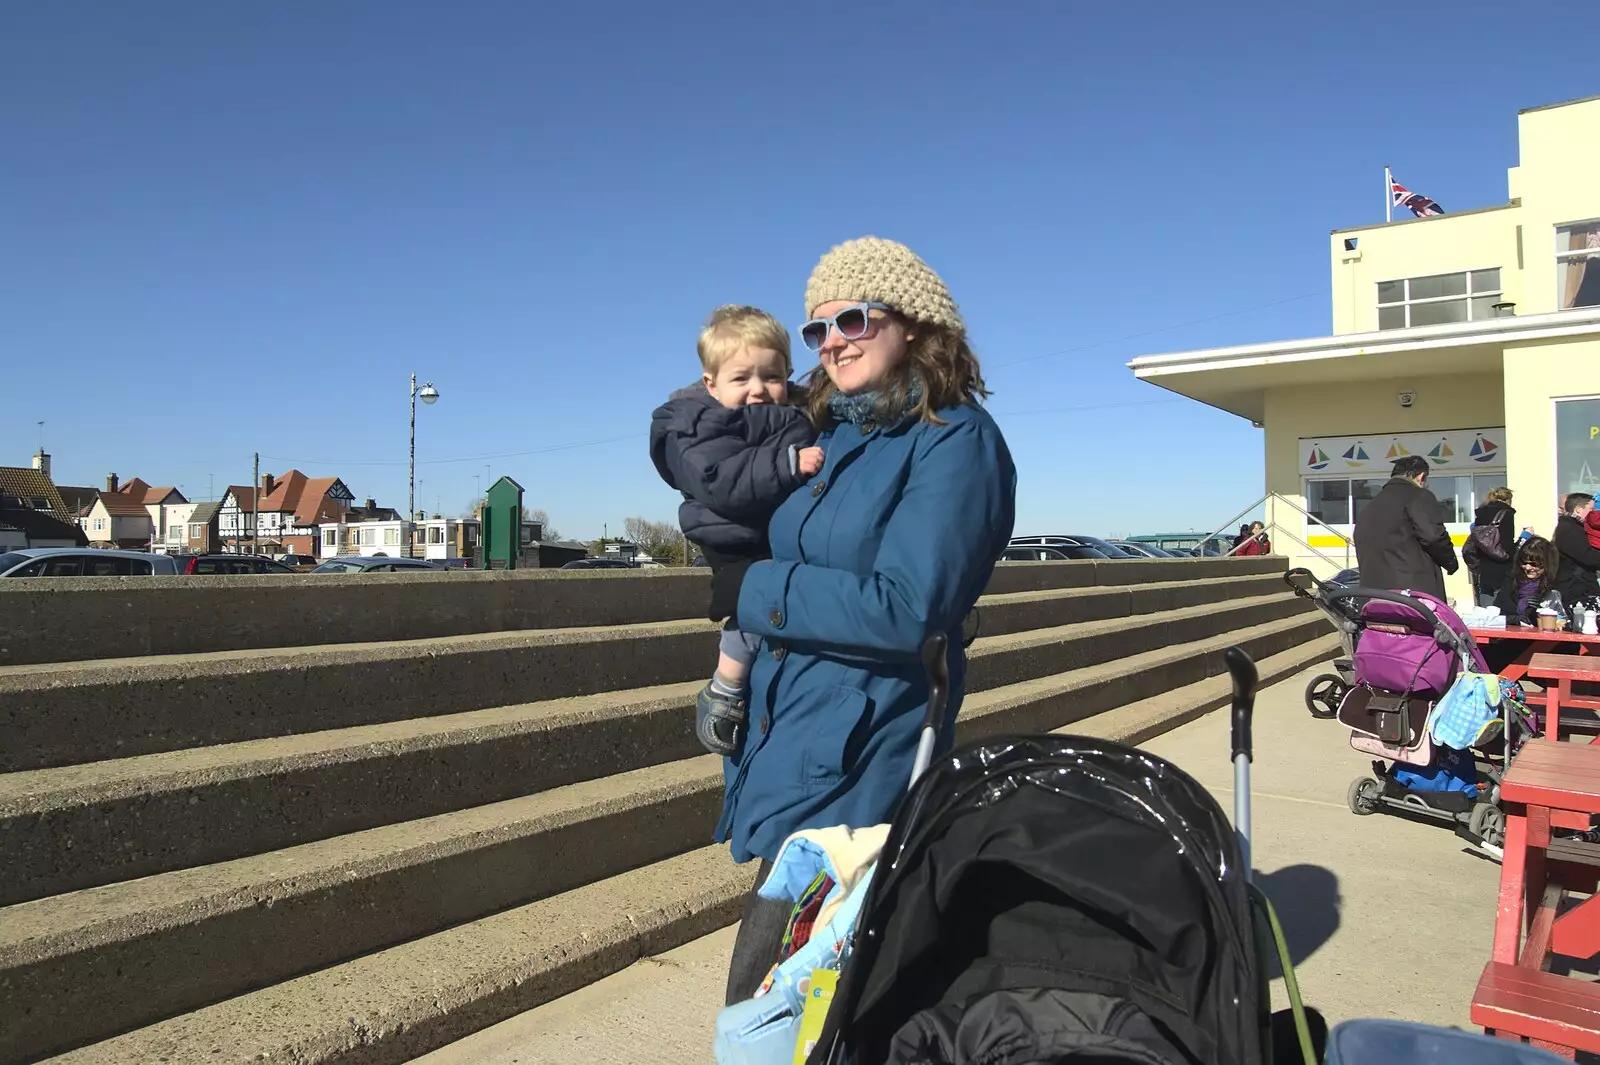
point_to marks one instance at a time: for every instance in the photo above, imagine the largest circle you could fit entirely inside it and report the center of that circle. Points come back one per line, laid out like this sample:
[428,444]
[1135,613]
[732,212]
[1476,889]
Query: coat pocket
[837,724]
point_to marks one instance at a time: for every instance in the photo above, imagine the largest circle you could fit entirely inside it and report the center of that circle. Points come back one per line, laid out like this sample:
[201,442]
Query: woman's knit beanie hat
[883,271]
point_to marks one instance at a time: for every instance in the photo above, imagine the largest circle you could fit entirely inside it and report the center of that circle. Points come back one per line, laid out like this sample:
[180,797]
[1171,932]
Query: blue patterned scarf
[878,407]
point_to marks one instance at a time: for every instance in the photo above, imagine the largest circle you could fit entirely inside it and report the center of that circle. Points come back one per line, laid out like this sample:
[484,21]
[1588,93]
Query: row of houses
[291,514]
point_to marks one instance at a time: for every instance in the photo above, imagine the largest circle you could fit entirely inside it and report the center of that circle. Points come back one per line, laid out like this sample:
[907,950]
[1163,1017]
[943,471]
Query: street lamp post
[429,395]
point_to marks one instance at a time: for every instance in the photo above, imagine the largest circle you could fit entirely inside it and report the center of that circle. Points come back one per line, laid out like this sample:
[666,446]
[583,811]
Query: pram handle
[937,665]
[1243,671]
[1442,633]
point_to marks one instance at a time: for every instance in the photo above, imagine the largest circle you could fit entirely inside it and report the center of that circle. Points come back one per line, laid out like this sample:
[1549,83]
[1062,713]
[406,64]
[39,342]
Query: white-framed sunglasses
[850,322]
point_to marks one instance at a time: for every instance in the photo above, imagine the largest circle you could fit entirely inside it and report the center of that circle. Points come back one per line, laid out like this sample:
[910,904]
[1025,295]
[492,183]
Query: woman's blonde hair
[1499,495]
[937,355]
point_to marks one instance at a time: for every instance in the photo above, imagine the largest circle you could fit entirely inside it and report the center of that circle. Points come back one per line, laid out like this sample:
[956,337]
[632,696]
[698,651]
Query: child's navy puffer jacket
[733,466]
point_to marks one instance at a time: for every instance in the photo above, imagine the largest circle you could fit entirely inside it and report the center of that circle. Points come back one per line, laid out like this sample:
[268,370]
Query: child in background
[1591,527]
[735,447]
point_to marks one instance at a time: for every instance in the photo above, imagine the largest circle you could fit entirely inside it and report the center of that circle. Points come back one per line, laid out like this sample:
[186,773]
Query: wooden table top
[1564,667]
[1563,776]
[1528,632]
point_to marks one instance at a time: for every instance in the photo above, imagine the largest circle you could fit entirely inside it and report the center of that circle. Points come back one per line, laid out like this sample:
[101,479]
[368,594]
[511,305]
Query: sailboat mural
[1480,451]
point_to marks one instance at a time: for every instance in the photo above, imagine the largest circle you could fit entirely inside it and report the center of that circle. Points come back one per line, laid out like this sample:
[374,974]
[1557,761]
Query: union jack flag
[1415,202]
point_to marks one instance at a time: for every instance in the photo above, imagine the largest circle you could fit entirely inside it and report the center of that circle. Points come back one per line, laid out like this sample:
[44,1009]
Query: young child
[735,448]
[1591,527]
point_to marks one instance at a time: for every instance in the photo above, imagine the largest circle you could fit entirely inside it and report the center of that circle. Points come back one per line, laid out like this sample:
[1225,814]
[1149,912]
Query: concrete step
[75,619]
[77,826]
[137,951]
[397,1003]
[392,1005]
[63,714]
[107,959]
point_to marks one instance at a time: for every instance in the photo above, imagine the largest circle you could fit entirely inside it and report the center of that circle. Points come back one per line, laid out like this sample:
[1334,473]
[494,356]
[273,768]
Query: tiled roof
[27,484]
[79,500]
[147,495]
[37,525]
[204,512]
[121,506]
[302,496]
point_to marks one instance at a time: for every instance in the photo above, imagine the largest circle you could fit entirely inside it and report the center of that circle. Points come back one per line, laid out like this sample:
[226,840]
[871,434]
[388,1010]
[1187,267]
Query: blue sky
[230,228]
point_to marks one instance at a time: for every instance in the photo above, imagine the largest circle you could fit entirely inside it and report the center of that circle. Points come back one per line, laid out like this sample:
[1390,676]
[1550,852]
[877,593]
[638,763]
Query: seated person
[1535,570]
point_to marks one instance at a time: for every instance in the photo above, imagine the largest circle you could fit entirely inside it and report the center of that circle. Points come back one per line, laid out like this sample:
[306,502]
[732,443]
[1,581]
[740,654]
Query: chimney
[111,482]
[41,462]
[370,504]
[267,484]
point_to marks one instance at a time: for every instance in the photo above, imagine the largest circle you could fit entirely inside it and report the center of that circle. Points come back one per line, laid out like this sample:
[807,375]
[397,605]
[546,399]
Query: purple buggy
[1409,647]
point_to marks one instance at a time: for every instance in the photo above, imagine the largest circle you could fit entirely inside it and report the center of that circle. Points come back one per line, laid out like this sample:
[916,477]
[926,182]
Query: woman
[892,542]
[1255,541]
[1534,571]
[1489,573]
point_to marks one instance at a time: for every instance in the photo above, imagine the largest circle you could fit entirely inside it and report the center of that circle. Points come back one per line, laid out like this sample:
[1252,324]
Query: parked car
[601,563]
[222,562]
[1143,550]
[83,562]
[1074,546]
[300,563]
[1048,554]
[1105,547]
[377,564]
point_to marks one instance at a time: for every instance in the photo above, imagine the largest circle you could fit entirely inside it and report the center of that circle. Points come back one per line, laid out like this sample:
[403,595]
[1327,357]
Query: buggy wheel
[1488,823]
[1363,796]
[1324,693]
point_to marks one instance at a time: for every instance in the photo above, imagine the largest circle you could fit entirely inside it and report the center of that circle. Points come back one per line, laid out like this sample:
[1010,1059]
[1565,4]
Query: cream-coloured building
[1471,338]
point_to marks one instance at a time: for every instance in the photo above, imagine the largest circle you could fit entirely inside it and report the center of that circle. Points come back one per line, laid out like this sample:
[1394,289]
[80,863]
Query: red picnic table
[1549,785]
[1557,674]
[1535,642]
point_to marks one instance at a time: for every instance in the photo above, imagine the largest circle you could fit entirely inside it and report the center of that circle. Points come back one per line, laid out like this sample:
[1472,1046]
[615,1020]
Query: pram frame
[1483,823]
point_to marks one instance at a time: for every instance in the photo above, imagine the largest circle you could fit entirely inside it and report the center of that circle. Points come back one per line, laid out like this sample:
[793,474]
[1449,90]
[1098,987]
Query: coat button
[766,723]
[775,619]
[779,652]
[818,488]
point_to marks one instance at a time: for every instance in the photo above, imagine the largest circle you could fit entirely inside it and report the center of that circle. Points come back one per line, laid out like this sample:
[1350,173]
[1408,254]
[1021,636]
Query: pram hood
[1044,895]
[1400,650]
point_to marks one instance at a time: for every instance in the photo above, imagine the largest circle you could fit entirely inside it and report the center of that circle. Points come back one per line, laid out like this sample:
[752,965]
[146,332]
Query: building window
[1578,446]
[196,531]
[40,503]
[391,537]
[99,525]
[435,534]
[330,537]
[1578,265]
[1469,296]
[1340,502]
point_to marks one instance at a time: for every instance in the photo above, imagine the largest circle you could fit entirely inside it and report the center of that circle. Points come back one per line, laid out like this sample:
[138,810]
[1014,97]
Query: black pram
[1045,898]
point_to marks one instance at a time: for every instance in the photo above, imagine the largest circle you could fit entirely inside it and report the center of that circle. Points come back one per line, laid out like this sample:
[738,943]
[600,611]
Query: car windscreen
[10,560]
[337,567]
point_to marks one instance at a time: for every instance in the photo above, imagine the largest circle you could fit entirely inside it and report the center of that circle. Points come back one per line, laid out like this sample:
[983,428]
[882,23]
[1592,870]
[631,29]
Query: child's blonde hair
[734,326]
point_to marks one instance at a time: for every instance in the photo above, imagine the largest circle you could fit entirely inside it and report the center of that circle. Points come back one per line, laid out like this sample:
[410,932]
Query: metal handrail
[1292,505]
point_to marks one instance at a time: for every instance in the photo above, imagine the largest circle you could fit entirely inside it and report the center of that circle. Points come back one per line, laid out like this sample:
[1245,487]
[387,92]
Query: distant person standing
[1580,559]
[1489,549]
[1254,541]
[1401,543]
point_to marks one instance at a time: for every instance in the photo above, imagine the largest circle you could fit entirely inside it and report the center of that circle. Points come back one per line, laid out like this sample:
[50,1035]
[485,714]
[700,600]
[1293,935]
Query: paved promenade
[1352,892]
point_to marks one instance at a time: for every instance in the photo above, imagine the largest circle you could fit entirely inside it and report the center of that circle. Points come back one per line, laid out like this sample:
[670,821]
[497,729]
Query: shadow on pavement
[1306,898]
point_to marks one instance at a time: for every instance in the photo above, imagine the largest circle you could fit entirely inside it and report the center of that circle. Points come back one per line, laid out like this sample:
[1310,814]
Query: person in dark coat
[893,542]
[735,448]
[1490,574]
[1580,561]
[1401,544]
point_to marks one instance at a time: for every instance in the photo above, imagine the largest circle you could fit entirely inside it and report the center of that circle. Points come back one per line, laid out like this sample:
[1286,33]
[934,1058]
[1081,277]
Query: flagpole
[1388,195]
